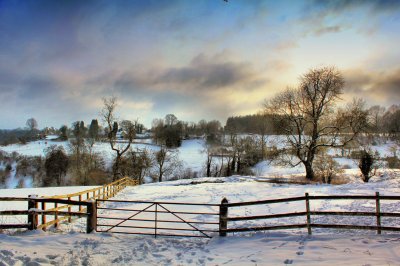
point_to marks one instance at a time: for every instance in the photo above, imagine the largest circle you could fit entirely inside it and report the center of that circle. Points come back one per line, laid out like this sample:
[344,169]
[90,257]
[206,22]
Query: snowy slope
[324,247]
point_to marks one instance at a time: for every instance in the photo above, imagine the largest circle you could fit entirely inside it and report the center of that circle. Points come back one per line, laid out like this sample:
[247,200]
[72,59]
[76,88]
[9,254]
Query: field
[193,157]
[68,245]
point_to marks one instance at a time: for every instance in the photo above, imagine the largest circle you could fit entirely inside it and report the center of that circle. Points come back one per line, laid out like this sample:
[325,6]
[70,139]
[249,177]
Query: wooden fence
[55,209]
[86,206]
[307,213]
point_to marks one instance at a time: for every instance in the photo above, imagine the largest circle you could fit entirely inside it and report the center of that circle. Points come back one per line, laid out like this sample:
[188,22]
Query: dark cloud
[383,88]
[204,74]
[201,75]
[328,29]
[38,87]
[317,16]
[340,5]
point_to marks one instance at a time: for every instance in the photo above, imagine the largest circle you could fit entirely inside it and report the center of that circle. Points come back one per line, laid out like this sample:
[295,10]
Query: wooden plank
[360,227]
[270,216]
[390,214]
[343,197]
[334,213]
[12,226]
[47,212]
[61,201]
[14,212]
[13,199]
[55,222]
[238,204]
[266,228]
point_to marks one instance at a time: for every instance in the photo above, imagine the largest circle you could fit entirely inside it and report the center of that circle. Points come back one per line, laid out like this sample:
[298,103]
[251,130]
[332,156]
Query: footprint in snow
[287,261]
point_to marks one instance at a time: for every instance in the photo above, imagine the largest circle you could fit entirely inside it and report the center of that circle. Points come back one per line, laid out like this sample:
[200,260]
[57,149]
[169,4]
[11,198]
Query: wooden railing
[33,212]
[307,213]
[55,209]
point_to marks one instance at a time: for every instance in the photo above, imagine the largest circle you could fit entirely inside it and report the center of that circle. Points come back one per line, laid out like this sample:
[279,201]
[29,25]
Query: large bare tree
[128,132]
[310,119]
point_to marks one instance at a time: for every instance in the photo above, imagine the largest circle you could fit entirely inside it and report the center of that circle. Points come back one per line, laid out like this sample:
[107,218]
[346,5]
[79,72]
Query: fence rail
[160,218]
[55,209]
[308,213]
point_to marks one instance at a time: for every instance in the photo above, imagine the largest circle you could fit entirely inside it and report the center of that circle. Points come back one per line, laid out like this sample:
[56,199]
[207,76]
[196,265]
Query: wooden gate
[158,218]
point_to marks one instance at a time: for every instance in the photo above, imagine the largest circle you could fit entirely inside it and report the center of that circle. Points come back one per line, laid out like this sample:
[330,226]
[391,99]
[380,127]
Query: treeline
[384,120]
[254,124]
[170,131]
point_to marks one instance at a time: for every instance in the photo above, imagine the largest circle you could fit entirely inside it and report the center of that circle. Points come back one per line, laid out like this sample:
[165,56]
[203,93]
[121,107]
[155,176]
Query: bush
[326,168]
[393,162]
[8,167]
[366,163]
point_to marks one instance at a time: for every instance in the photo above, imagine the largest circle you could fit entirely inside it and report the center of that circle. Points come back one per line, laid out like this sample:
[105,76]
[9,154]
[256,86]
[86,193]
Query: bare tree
[166,162]
[128,131]
[309,117]
[32,124]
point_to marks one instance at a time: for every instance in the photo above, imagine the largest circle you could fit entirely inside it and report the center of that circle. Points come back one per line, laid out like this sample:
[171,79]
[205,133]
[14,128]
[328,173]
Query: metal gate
[158,218]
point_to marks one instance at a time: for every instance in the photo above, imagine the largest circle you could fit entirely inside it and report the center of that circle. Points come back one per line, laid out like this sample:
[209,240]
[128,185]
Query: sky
[196,59]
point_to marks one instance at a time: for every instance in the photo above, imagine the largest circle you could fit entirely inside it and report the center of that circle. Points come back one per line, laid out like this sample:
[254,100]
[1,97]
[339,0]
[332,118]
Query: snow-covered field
[191,154]
[69,246]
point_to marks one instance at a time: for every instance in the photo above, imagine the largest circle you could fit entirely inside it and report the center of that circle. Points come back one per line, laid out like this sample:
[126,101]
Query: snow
[69,246]
[46,248]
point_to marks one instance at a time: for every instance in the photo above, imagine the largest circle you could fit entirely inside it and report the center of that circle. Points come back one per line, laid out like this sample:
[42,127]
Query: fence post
[69,211]
[223,216]
[155,222]
[44,216]
[80,199]
[56,215]
[91,220]
[308,214]
[378,212]
[32,216]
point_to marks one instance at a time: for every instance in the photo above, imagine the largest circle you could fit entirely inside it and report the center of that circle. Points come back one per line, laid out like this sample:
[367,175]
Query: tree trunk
[309,170]
[233,163]
[116,168]
[208,168]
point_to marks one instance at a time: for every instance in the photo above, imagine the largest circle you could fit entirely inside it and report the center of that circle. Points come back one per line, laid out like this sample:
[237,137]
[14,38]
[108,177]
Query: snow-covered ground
[69,246]
[191,154]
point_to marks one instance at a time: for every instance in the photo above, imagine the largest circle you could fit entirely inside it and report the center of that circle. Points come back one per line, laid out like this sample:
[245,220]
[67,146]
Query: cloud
[378,88]
[340,5]
[38,87]
[206,73]
[328,29]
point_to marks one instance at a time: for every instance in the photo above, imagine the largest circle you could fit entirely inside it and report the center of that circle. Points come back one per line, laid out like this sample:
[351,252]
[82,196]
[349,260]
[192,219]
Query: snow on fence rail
[77,204]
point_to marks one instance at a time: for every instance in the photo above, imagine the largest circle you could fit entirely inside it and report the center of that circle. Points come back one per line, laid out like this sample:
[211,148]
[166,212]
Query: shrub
[8,167]
[326,168]
[393,162]
[366,163]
